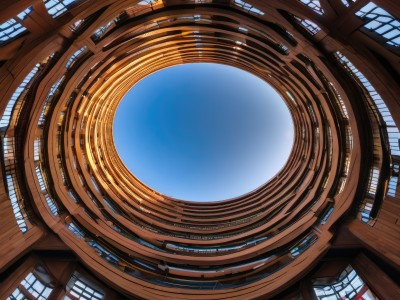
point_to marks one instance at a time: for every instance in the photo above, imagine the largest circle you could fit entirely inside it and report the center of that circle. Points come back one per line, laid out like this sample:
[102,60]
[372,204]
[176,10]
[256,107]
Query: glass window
[9,30]
[43,187]
[56,8]
[76,230]
[340,102]
[16,295]
[248,7]
[33,287]
[315,5]
[348,286]
[373,181]
[202,1]
[72,195]
[347,3]
[148,2]
[15,202]
[379,21]
[76,25]
[49,98]
[25,13]
[326,214]
[291,97]
[311,27]
[51,204]
[40,179]
[394,180]
[380,106]
[303,245]
[75,56]
[6,117]
[101,30]
[80,289]
[36,149]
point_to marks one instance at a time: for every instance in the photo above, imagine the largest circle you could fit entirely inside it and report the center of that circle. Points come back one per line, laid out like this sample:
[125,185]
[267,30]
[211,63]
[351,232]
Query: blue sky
[203,132]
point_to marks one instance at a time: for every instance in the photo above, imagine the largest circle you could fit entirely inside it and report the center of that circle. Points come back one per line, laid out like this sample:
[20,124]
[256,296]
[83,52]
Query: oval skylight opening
[203,132]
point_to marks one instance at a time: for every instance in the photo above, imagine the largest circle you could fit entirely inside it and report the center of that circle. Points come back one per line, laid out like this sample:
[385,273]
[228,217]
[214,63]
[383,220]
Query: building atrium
[77,224]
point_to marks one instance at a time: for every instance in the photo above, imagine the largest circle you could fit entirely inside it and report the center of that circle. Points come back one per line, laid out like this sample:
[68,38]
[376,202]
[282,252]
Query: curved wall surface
[76,224]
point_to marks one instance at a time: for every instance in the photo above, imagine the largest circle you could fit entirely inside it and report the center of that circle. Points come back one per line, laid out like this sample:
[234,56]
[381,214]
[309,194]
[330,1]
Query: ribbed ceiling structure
[65,65]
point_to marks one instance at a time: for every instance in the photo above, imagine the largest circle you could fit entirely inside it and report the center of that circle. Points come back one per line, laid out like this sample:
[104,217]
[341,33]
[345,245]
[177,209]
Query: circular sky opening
[203,132]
